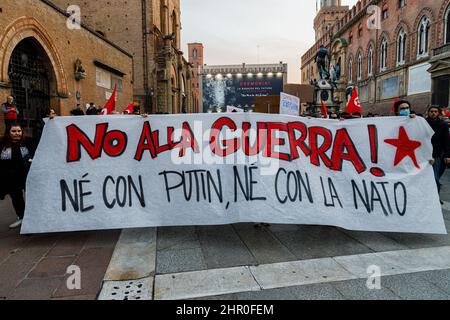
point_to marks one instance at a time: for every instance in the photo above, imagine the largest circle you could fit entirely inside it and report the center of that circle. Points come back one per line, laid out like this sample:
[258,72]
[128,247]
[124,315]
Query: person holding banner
[14,167]
[440,141]
[402,108]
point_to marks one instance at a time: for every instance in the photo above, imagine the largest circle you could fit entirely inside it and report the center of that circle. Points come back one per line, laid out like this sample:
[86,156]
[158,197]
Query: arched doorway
[31,78]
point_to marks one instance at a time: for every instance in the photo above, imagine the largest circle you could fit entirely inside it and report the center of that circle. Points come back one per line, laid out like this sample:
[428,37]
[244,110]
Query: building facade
[151,31]
[44,63]
[238,85]
[388,49]
[196,58]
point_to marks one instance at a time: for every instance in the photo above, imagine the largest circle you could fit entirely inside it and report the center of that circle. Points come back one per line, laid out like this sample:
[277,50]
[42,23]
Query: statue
[79,67]
[80,73]
[320,59]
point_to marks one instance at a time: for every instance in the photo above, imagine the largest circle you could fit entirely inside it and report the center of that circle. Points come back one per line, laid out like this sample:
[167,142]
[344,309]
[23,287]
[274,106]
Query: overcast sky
[232,30]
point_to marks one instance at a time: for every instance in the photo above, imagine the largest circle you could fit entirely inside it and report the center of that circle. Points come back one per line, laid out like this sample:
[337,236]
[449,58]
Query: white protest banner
[289,105]
[231,109]
[114,172]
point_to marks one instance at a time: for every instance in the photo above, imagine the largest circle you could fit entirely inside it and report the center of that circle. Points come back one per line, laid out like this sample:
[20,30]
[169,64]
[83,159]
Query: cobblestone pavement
[34,267]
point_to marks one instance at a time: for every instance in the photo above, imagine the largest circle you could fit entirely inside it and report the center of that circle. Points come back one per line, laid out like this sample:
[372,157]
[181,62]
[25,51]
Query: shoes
[16,224]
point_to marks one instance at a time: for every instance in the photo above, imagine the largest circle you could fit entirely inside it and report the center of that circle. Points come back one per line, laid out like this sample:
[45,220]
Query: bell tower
[330,3]
[330,11]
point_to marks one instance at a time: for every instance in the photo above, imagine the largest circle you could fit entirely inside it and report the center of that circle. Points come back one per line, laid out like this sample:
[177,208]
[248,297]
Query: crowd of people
[93,110]
[15,156]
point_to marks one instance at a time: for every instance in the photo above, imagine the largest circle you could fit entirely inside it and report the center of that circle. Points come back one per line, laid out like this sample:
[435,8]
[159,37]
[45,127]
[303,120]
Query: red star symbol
[405,147]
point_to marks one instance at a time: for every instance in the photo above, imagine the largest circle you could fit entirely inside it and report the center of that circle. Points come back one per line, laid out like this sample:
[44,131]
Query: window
[360,31]
[194,53]
[360,63]
[447,27]
[350,71]
[118,82]
[103,78]
[162,16]
[423,38]
[383,55]
[370,62]
[385,14]
[401,3]
[350,38]
[401,48]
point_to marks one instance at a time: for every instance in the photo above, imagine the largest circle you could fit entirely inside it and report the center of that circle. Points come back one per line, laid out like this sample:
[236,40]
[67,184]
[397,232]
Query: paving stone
[51,267]
[418,241]
[376,241]
[93,264]
[299,273]
[175,261]
[357,290]
[204,283]
[70,245]
[134,255]
[35,249]
[80,298]
[12,272]
[19,256]
[102,239]
[225,297]
[320,242]
[440,279]
[177,238]
[413,287]
[222,248]
[309,292]
[36,289]
[11,245]
[263,245]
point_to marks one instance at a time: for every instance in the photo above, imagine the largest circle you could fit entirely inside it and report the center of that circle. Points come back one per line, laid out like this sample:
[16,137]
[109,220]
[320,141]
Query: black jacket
[13,170]
[441,139]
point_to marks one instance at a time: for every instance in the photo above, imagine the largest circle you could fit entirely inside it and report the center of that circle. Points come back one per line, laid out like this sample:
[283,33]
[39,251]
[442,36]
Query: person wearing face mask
[403,109]
[440,141]
[14,166]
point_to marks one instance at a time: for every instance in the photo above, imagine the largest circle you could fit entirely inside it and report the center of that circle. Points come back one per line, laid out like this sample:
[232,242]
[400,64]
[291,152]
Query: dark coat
[440,140]
[13,173]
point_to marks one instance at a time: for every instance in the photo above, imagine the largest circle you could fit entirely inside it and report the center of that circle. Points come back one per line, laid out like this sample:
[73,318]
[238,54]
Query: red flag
[129,109]
[354,106]
[110,106]
[324,110]
[447,113]
[393,106]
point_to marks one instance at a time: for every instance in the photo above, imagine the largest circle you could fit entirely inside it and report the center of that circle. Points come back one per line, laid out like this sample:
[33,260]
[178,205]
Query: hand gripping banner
[115,172]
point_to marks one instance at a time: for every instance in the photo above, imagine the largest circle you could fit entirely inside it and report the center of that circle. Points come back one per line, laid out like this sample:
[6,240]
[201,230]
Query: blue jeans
[437,172]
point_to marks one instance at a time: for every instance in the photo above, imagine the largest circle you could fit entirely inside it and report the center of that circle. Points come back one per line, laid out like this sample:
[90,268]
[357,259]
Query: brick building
[150,30]
[38,59]
[388,49]
[196,58]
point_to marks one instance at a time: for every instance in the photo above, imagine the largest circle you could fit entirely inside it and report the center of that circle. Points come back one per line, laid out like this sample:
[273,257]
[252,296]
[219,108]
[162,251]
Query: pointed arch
[371,61]
[359,64]
[28,27]
[428,39]
[444,16]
